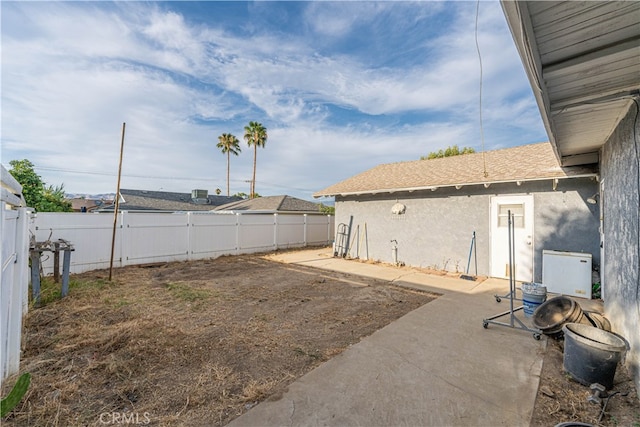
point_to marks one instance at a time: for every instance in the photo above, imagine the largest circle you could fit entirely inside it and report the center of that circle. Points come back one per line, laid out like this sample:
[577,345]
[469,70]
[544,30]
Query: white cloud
[73,72]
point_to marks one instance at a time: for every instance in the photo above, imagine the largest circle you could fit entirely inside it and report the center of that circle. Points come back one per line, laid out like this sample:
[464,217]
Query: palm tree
[256,135]
[229,144]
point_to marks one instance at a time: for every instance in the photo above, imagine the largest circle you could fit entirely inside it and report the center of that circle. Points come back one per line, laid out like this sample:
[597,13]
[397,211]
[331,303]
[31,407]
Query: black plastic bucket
[598,320]
[591,355]
[573,424]
[551,315]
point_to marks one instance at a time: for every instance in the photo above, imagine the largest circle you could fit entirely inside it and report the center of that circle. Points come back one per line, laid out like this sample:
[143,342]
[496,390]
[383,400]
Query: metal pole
[475,252]
[366,240]
[117,204]
[346,246]
[511,283]
[35,277]
[66,266]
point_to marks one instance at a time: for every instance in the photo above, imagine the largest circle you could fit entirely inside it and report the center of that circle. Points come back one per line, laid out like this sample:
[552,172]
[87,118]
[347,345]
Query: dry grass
[194,343]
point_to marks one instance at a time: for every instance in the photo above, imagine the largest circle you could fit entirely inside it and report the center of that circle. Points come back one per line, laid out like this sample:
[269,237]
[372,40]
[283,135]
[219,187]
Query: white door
[522,209]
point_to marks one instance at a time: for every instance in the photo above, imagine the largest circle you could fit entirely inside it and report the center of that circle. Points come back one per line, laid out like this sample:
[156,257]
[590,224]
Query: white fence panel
[256,233]
[153,237]
[290,230]
[14,272]
[10,296]
[90,235]
[147,237]
[212,235]
[319,229]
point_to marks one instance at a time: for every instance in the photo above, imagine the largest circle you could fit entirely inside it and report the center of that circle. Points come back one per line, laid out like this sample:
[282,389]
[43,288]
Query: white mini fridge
[567,273]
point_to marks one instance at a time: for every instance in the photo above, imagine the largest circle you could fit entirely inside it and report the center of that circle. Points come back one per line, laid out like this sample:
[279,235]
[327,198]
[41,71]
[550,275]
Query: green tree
[329,210]
[245,195]
[36,193]
[452,150]
[256,135]
[229,145]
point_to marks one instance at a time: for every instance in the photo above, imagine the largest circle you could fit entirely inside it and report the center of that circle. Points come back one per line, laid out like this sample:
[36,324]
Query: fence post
[22,249]
[124,237]
[237,233]
[189,235]
[304,232]
[275,231]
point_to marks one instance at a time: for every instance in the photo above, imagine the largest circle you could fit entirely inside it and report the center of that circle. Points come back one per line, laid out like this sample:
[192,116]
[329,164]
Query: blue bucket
[533,294]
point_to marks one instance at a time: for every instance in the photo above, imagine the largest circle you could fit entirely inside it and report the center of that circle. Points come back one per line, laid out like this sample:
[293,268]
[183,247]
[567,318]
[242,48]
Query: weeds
[313,355]
[15,396]
[51,291]
[187,293]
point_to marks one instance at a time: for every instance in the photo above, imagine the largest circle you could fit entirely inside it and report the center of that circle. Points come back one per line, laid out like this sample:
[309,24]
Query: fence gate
[14,275]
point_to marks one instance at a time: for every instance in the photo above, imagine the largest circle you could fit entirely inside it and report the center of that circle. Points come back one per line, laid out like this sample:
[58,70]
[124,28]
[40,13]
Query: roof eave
[520,25]
[457,186]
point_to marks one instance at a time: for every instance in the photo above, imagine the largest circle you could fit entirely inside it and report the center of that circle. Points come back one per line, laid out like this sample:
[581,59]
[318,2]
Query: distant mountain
[103,196]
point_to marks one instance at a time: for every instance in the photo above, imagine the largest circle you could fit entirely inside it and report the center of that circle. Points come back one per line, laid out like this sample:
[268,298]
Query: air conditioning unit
[199,194]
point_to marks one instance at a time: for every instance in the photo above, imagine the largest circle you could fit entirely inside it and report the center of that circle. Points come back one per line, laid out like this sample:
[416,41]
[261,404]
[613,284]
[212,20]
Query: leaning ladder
[343,233]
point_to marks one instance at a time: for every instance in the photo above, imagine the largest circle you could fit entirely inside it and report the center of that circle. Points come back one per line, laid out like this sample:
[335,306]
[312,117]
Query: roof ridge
[479,153]
[475,154]
[281,201]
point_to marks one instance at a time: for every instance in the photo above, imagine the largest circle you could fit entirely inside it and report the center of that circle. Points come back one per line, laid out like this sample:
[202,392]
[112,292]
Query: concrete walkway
[435,366]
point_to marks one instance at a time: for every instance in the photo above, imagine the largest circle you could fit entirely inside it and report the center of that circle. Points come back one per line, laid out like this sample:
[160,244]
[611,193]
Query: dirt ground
[199,343]
[191,343]
[561,399]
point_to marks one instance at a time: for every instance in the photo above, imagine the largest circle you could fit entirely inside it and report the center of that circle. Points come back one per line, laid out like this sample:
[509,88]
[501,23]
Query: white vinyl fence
[149,237]
[14,276]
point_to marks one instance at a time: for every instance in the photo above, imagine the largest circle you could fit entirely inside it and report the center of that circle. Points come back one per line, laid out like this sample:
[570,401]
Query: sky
[340,87]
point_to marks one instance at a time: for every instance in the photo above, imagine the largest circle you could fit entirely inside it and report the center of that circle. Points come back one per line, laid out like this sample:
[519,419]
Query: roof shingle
[523,163]
[167,201]
[271,203]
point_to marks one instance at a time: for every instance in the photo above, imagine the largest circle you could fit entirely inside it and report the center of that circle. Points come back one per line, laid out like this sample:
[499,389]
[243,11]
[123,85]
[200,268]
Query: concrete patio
[436,366]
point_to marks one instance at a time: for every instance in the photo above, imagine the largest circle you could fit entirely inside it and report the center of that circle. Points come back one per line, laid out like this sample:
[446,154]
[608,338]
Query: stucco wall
[620,168]
[565,221]
[426,237]
[437,227]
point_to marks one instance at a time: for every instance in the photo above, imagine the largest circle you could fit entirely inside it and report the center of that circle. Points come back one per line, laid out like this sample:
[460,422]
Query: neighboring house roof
[134,200]
[271,203]
[524,163]
[90,204]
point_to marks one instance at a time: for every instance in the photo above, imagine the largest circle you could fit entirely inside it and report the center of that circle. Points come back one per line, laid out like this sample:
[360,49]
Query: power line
[173,178]
[113,174]
[484,160]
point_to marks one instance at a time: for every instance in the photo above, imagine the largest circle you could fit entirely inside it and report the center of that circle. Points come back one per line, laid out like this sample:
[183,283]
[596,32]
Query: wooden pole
[56,262]
[366,240]
[117,204]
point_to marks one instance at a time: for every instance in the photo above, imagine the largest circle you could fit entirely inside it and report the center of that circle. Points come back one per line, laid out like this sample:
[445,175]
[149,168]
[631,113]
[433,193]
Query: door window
[518,215]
